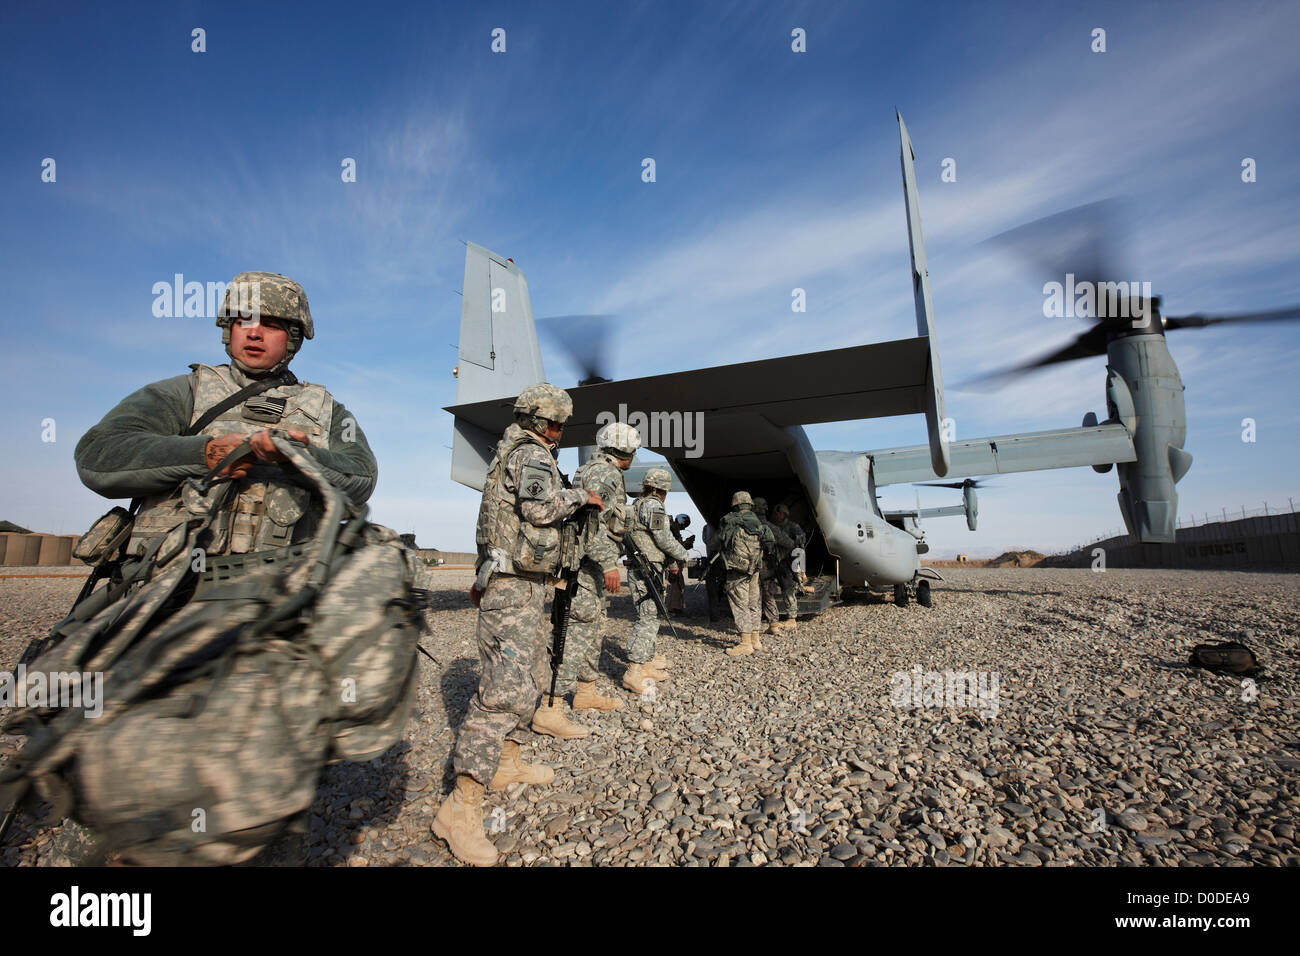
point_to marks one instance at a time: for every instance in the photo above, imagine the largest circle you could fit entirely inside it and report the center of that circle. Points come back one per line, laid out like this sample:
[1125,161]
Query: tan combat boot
[552,721]
[744,648]
[587,698]
[460,823]
[636,678]
[653,672]
[660,663]
[791,624]
[513,770]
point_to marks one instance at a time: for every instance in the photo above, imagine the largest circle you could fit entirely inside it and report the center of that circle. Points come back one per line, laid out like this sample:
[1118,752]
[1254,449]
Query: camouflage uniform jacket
[649,531]
[602,538]
[138,450]
[526,489]
[790,530]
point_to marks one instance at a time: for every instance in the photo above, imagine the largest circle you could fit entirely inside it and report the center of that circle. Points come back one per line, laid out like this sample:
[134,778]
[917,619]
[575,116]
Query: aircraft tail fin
[498,358]
[934,405]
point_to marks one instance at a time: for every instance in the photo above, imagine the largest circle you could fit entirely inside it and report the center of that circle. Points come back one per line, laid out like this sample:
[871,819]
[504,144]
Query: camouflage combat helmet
[623,440]
[741,498]
[659,479]
[760,505]
[780,509]
[266,295]
[545,401]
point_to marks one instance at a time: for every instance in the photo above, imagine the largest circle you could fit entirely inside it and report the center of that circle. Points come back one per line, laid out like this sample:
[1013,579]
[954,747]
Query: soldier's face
[554,430]
[260,345]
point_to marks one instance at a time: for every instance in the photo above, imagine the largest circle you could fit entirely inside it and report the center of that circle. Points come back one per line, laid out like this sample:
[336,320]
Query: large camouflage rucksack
[226,691]
[742,545]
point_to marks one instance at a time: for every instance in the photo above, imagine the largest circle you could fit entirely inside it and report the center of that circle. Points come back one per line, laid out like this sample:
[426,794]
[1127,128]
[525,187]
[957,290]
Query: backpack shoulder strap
[230,401]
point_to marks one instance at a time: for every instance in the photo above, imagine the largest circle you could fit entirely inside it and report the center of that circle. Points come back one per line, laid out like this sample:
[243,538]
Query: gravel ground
[1105,748]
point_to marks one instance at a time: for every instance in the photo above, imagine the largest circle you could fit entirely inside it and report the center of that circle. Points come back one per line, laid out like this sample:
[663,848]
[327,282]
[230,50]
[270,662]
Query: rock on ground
[1103,747]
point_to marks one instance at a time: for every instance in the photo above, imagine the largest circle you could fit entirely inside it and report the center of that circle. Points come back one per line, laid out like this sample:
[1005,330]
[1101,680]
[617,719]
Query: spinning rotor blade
[959,485]
[585,339]
[1092,342]
[1201,321]
[1081,241]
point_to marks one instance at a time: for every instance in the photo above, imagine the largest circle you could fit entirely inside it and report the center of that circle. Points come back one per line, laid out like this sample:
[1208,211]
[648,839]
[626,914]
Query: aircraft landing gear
[923,595]
[901,595]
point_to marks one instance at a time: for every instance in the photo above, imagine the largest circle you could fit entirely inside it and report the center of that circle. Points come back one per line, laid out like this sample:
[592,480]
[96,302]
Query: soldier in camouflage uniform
[525,499]
[789,596]
[769,576]
[602,540]
[141,448]
[743,539]
[648,530]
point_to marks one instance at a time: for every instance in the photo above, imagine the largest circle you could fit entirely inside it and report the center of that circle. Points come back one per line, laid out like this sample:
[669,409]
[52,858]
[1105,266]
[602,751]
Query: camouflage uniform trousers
[641,645]
[789,598]
[769,587]
[586,627]
[742,592]
[779,597]
[510,634]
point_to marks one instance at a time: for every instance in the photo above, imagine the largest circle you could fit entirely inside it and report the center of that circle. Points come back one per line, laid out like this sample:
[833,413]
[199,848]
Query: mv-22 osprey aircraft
[753,413]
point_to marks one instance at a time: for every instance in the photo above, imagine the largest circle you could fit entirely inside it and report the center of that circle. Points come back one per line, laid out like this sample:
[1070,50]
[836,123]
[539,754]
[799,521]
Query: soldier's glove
[265,449]
[218,448]
[689,542]
[612,581]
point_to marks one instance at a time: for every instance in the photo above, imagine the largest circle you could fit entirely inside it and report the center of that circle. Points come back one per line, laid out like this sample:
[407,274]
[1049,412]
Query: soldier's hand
[475,594]
[594,499]
[218,448]
[612,581]
[265,449]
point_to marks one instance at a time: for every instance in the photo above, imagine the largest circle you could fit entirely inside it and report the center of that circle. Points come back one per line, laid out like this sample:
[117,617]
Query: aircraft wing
[862,381]
[1003,454]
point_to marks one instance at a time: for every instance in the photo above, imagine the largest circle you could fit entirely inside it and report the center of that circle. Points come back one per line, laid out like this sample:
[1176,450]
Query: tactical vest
[264,510]
[613,519]
[645,519]
[518,546]
[742,548]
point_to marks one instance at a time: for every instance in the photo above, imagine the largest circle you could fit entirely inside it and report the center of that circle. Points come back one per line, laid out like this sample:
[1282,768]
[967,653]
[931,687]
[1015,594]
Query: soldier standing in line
[525,499]
[601,540]
[648,531]
[743,539]
[768,576]
[789,598]
[676,586]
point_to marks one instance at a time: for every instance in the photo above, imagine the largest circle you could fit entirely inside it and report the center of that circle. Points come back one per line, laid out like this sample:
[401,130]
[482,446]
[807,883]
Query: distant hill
[1015,559]
[10,526]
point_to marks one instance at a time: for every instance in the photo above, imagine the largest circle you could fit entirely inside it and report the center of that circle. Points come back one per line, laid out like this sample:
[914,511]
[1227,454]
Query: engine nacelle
[1145,394]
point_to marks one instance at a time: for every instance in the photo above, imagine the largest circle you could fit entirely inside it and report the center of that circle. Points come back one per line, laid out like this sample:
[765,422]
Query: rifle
[562,600]
[643,569]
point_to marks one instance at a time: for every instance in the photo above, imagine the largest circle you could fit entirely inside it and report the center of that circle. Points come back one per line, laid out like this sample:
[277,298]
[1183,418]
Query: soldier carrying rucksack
[744,538]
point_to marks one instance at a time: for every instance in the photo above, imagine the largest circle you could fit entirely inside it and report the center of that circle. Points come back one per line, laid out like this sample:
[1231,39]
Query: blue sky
[775,170]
